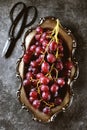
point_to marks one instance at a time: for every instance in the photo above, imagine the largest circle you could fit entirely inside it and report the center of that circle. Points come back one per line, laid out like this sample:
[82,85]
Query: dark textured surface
[72,14]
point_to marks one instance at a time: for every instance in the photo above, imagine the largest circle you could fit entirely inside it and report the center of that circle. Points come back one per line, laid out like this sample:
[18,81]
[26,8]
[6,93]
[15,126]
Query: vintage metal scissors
[21,16]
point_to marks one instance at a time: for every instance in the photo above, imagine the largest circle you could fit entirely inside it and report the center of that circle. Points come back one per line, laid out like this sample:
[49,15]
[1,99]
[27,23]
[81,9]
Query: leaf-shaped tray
[70,46]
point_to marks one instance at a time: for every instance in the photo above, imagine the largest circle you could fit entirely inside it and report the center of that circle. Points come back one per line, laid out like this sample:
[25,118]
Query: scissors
[22,15]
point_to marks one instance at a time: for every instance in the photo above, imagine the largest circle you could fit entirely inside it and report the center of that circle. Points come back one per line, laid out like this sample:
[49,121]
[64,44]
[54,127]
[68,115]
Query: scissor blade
[5,49]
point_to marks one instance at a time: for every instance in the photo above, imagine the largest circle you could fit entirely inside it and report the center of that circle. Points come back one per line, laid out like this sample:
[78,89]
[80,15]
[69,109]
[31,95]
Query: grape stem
[49,74]
[56,31]
[48,104]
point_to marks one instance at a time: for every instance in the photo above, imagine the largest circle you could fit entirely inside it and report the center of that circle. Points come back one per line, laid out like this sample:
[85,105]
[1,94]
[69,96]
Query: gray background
[72,14]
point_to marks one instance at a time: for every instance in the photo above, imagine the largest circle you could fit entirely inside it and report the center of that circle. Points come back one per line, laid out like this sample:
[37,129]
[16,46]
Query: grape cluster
[44,79]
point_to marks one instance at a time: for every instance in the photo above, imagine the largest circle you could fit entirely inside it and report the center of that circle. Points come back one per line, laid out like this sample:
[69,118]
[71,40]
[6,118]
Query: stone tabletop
[72,14]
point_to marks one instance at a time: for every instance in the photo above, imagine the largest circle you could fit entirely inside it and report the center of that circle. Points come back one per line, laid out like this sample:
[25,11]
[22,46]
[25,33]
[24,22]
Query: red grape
[54,88]
[26,82]
[46,110]
[44,35]
[31,99]
[46,96]
[61,82]
[36,104]
[53,46]
[37,37]
[33,63]
[29,75]
[51,58]
[60,48]
[44,43]
[38,50]
[39,29]
[26,58]
[45,67]
[44,80]
[44,88]
[33,94]
[41,40]
[38,44]
[58,101]
[32,48]
[40,59]
[59,65]
[39,75]
[69,65]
